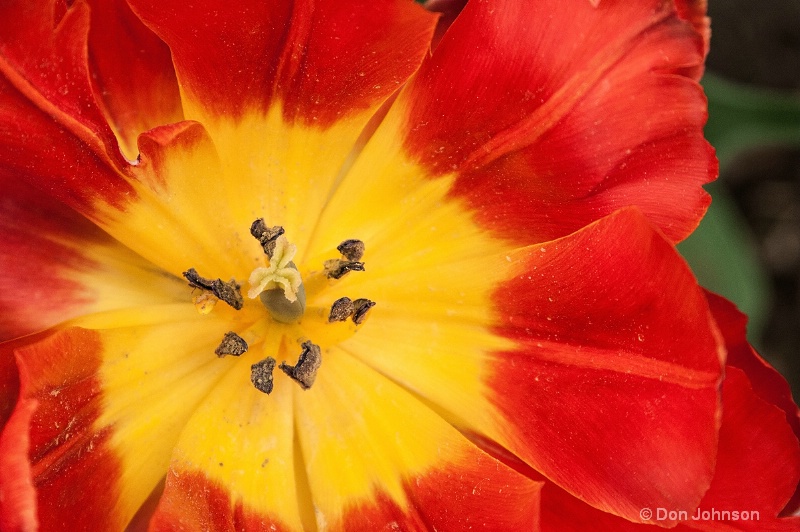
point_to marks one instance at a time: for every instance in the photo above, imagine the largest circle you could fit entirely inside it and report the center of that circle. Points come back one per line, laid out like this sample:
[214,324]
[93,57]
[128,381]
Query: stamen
[362,307]
[227,292]
[352,249]
[261,374]
[338,268]
[341,309]
[305,371]
[232,344]
[267,236]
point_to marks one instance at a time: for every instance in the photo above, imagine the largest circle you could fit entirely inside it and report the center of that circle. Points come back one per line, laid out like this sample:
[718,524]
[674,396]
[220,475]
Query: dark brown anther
[261,374]
[341,309]
[361,308]
[266,235]
[195,281]
[227,292]
[232,344]
[351,249]
[305,371]
[337,268]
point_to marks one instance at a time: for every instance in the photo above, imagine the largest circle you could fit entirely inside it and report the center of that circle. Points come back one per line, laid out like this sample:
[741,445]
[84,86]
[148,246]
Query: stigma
[279,285]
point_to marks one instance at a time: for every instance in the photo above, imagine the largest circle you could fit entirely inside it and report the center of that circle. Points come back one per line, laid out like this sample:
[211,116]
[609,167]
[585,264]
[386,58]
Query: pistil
[279,285]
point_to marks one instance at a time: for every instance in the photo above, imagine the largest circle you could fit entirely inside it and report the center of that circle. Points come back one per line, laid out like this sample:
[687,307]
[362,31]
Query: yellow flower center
[280,287]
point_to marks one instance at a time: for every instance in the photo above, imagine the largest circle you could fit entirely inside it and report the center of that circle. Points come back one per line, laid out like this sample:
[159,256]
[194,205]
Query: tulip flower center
[282,291]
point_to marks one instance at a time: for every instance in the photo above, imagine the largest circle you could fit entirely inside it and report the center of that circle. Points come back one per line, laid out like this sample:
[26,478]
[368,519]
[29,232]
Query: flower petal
[561,512]
[309,127]
[350,445]
[79,269]
[68,167]
[608,120]
[45,58]
[133,71]
[234,465]
[459,327]
[17,496]
[695,11]
[757,469]
[757,449]
[766,383]
[563,356]
[368,465]
[592,320]
[56,412]
[95,454]
[322,60]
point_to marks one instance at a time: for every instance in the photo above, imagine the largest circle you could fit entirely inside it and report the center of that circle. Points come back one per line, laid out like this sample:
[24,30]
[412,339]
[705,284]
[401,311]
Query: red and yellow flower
[523,347]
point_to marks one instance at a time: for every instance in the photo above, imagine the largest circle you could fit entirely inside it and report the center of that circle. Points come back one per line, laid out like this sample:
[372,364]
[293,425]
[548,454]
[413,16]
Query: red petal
[9,374]
[758,462]
[95,454]
[474,496]
[45,58]
[194,502]
[34,230]
[323,60]
[767,383]
[68,458]
[65,166]
[133,71]
[449,10]
[695,12]
[612,392]
[78,268]
[17,496]
[561,512]
[554,123]
[757,469]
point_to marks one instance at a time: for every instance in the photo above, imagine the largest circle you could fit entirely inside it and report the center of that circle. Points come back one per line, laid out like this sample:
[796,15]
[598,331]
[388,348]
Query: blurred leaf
[722,251]
[741,117]
[723,255]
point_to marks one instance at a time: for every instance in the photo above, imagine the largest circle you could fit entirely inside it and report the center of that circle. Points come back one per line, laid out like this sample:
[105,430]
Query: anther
[341,309]
[232,344]
[266,235]
[337,268]
[261,374]
[305,371]
[361,308]
[227,292]
[351,249]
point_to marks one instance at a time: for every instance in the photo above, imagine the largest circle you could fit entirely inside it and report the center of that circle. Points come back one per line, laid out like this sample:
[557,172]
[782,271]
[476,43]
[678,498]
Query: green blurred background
[748,246]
